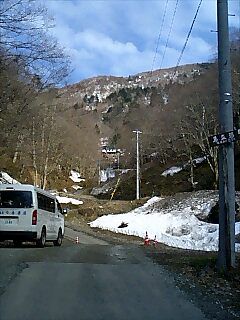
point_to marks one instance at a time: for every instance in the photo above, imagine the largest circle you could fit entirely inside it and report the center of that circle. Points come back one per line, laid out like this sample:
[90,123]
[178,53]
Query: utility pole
[99,172]
[138,166]
[118,160]
[226,253]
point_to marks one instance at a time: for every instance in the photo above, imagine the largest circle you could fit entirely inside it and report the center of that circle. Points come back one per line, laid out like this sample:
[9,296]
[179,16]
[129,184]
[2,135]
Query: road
[92,280]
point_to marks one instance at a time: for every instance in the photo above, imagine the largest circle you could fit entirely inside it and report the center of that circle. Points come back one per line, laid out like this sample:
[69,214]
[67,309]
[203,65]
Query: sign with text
[224,138]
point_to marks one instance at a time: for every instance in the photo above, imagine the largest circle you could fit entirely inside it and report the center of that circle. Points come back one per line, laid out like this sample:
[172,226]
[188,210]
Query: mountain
[110,108]
[95,93]
[174,108]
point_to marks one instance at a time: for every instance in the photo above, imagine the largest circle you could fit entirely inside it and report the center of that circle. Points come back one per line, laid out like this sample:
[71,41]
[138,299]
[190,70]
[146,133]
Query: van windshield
[16,199]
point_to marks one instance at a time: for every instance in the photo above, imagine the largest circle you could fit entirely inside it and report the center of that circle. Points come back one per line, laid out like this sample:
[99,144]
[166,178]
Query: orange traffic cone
[77,240]
[146,240]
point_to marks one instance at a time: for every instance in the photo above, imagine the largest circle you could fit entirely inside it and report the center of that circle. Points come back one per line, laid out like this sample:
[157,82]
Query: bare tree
[200,122]
[24,29]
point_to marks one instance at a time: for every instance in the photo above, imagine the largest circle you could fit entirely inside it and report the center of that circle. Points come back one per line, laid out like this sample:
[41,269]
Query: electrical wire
[186,41]
[169,33]
[188,36]
[160,34]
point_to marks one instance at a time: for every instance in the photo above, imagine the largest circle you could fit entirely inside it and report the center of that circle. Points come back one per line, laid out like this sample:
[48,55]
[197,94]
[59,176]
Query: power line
[159,36]
[188,36]
[169,33]
[186,41]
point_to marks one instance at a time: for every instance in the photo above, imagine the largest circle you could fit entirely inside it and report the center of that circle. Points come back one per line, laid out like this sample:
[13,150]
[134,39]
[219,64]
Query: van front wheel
[42,241]
[58,242]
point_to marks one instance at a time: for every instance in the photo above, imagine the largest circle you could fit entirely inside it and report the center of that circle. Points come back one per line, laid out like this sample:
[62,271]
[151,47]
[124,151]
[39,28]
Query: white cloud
[119,37]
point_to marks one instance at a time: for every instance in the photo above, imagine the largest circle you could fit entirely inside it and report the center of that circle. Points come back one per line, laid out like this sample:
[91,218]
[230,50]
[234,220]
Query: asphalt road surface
[92,280]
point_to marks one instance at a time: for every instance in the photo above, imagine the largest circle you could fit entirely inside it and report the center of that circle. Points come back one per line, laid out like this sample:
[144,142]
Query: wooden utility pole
[226,254]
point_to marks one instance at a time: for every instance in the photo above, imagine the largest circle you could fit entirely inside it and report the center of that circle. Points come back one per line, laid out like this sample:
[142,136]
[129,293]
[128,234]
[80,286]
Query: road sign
[224,138]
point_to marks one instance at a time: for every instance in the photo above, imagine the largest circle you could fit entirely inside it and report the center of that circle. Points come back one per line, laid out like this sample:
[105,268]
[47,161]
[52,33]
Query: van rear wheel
[58,242]
[42,241]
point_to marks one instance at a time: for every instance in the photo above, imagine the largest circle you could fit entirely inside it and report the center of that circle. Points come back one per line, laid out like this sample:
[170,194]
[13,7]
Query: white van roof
[24,187]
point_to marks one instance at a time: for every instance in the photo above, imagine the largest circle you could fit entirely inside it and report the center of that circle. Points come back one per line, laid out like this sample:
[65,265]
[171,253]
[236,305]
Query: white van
[28,213]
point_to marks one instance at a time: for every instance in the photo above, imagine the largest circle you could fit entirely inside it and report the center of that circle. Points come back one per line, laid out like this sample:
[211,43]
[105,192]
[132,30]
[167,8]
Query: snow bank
[69,200]
[177,228]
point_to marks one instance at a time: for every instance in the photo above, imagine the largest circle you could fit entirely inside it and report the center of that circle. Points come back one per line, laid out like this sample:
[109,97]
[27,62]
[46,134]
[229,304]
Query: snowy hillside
[175,221]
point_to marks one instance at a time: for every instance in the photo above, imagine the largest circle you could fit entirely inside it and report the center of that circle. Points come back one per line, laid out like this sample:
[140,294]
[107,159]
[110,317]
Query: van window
[45,203]
[15,199]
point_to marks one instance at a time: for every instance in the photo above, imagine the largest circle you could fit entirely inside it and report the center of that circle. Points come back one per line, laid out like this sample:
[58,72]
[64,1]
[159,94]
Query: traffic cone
[77,240]
[146,240]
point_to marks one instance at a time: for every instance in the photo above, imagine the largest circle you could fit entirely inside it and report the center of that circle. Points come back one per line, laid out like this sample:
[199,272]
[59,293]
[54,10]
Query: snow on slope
[6,178]
[69,200]
[177,225]
[171,171]
[75,176]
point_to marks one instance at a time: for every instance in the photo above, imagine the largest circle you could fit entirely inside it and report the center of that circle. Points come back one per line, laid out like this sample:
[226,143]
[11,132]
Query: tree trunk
[19,143]
[34,153]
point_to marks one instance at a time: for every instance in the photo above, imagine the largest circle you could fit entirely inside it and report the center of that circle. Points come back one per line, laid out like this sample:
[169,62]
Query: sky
[120,37]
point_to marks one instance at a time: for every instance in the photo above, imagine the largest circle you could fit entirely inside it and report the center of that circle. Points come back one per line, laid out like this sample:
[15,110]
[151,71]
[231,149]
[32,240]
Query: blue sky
[119,37]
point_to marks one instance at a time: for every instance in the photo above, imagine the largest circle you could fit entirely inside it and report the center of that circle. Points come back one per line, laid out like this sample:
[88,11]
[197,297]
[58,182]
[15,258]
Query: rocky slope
[91,93]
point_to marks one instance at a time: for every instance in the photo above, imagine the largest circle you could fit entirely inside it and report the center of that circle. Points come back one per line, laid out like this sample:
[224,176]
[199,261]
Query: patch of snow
[199,160]
[101,189]
[69,200]
[75,187]
[165,99]
[151,201]
[6,178]
[176,227]
[75,176]
[171,171]
[124,171]
[107,174]
[154,154]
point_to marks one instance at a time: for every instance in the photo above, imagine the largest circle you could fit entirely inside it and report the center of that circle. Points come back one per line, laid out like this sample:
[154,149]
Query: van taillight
[34,217]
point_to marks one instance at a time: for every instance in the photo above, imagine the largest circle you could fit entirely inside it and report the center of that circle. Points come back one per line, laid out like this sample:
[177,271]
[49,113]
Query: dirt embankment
[92,208]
